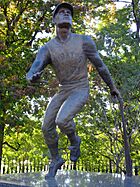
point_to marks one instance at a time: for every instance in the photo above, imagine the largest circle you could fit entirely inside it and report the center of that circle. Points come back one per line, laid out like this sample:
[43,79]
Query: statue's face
[63,16]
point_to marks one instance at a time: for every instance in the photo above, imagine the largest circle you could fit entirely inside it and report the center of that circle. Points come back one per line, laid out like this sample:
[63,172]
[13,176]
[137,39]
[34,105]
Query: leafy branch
[12,147]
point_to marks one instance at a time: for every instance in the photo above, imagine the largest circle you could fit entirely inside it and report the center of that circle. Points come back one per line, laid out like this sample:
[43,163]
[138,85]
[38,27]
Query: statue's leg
[64,119]
[56,162]
[50,133]
[75,146]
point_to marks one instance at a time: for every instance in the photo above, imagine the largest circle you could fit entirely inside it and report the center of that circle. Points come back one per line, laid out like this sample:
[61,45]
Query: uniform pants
[60,112]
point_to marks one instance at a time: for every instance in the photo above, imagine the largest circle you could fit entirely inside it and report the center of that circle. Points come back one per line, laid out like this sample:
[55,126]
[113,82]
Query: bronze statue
[67,53]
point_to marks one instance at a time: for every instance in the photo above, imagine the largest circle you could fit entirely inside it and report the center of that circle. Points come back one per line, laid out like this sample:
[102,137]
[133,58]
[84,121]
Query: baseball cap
[63,5]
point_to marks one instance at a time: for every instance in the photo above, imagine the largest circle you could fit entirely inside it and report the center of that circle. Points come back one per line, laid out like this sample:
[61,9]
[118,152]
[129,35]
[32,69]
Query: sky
[122,3]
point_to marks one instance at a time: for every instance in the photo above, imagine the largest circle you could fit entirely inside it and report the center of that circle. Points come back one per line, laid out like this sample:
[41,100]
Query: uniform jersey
[69,60]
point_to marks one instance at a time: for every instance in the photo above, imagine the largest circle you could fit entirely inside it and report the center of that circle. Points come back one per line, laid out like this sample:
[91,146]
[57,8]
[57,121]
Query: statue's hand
[32,78]
[115,93]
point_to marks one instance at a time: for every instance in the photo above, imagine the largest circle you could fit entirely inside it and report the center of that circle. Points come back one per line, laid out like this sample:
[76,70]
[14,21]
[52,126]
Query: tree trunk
[1,142]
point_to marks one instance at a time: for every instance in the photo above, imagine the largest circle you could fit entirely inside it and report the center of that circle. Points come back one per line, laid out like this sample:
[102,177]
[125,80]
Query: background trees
[25,26]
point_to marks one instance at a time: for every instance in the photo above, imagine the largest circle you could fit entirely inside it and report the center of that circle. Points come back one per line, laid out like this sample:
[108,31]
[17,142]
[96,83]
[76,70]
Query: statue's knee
[46,130]
[50,135]
[46,125]
[60,122]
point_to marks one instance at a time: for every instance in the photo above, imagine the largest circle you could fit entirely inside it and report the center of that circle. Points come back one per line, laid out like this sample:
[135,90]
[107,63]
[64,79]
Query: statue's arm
[92,54]
[42,59]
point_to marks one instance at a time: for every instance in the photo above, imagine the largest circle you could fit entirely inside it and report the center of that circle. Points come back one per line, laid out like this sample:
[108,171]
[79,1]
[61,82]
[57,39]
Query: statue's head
[63,14]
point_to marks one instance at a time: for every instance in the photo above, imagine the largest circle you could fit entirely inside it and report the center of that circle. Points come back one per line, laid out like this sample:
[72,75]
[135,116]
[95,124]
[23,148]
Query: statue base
[67,179]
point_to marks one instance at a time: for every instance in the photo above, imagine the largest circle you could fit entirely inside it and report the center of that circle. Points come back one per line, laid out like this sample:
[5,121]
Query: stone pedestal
[69,179]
